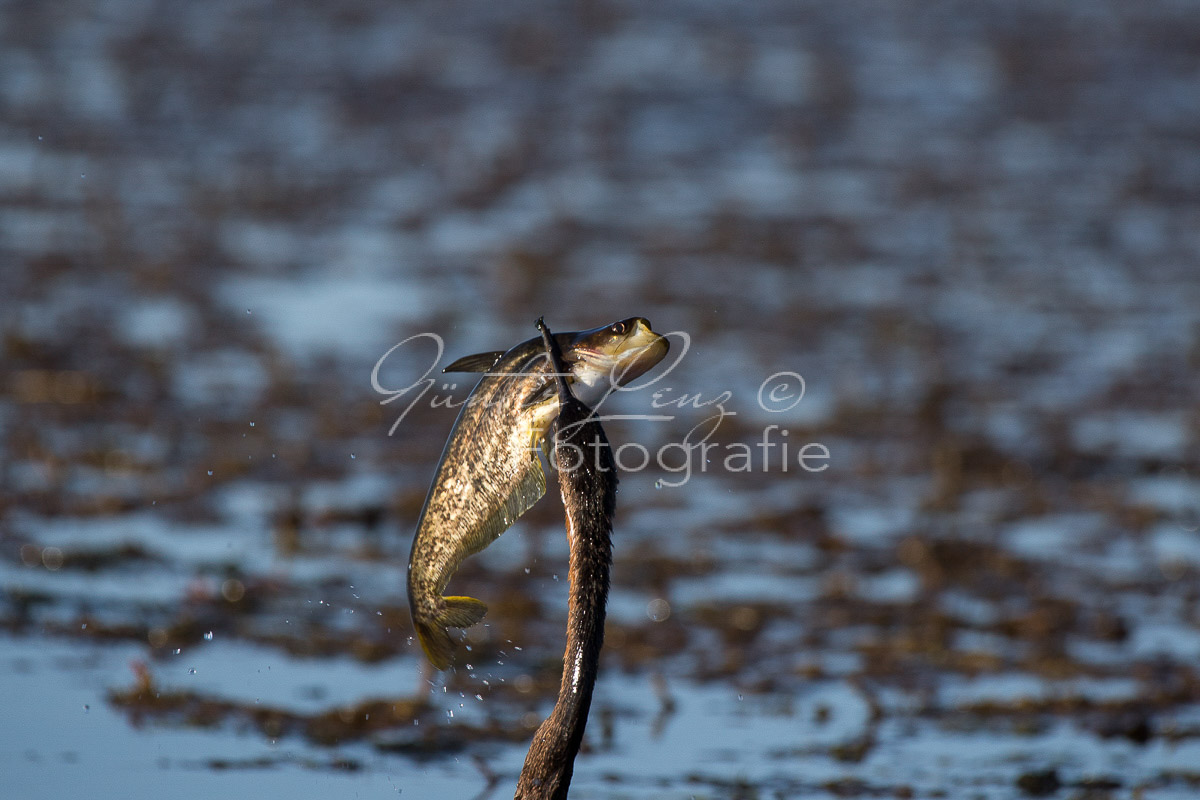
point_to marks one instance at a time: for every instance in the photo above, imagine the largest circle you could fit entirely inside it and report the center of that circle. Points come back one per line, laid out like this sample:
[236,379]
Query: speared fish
[491,471]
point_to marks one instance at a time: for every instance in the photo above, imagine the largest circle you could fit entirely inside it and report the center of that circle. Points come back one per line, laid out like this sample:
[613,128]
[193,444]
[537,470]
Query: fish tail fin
[457,612]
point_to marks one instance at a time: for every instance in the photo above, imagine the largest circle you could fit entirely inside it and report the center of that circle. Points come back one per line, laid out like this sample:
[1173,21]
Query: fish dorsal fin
[478,362]
[528,490]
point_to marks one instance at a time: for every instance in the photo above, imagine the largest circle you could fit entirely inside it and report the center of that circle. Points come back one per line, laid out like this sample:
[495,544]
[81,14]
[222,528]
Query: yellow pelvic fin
[458,612]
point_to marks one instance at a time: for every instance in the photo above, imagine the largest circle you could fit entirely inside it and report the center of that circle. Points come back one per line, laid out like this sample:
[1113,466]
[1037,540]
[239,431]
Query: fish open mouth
[620,353]
[637,361]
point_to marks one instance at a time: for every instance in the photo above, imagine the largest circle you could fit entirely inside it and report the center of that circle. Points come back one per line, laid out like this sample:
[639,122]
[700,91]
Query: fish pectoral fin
[477,362]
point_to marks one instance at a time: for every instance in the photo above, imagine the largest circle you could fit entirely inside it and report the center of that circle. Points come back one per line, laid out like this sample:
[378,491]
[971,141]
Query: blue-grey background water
[973,229]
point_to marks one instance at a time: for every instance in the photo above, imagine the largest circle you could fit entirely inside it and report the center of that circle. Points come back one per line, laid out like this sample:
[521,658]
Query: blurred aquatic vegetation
[971,228]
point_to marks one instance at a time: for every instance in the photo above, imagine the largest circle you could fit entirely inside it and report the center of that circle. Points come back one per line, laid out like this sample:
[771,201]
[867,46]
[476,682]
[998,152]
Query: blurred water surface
[972,228]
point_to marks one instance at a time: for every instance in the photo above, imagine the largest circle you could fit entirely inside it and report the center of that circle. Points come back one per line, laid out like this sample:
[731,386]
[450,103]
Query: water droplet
[86,707]
[208,636]
[478,697]
[192,671]
[658,609]
[178,650]
[353,456]
[658,484]
[210,472]
[83,627]
[252,424]
[450,713]
[739,696]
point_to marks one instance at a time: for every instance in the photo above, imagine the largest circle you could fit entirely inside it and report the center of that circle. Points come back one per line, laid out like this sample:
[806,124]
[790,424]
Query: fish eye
[617,328]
